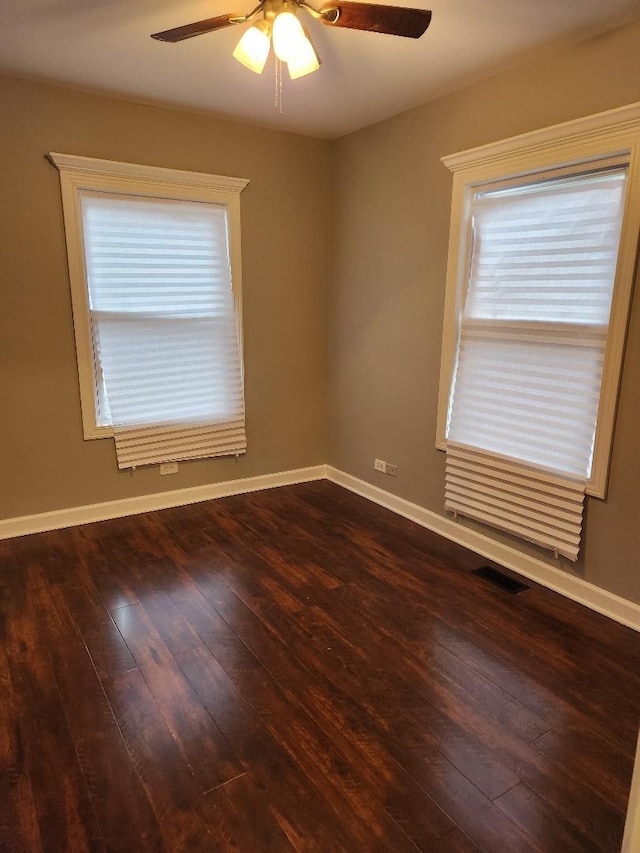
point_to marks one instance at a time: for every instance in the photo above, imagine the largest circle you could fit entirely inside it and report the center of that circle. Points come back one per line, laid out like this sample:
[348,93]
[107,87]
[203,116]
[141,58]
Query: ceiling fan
[291,43]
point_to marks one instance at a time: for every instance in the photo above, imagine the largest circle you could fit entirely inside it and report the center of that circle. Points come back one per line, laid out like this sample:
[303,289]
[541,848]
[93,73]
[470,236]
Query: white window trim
[612,133]
[85,173]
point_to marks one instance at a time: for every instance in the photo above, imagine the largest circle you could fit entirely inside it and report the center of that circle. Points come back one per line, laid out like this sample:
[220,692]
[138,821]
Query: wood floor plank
[295,803]
[457,634]
[587,756]
[495,760]
[108,651]
[463,735]
[176,631]
[489,828]
[281,670]
[300,669]
[479,763]
[98,560]
[454,842]
[227,808]
[430,669]
[19,831]
[502,621]
[209,755]
[174,793]
[321,757]
[253,529]
[65,814]
[552,831]
[488,656]
[121,806]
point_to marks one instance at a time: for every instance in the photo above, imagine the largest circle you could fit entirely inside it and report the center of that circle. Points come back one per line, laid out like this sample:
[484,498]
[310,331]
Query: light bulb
[253,48]
[304,60]
[287,36]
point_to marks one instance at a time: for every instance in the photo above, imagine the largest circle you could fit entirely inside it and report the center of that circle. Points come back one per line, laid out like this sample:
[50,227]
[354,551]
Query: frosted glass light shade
[288,36]
[253,48]
[304,61]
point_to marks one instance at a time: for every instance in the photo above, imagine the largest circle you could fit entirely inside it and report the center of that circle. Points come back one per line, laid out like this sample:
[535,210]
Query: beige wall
[391,199]
[46,465]
[391,208]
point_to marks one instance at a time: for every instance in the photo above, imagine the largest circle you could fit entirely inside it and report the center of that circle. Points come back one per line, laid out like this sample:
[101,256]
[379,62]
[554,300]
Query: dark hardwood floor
[298,669]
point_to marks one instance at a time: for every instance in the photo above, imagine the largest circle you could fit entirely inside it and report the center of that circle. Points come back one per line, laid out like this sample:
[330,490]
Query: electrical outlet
[385,467]
[169,468]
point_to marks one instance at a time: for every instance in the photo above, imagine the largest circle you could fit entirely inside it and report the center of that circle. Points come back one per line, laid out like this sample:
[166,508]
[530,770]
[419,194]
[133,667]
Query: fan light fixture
[253,48]
[291,44]
[287,35]
[305,60]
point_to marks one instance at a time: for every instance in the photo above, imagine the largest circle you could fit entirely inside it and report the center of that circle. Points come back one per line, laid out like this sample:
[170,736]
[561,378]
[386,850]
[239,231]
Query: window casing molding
[598,138]
[79,174]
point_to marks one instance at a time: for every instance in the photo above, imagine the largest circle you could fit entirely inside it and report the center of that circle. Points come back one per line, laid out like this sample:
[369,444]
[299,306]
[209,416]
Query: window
[535,319]
[542,251]
[155,275]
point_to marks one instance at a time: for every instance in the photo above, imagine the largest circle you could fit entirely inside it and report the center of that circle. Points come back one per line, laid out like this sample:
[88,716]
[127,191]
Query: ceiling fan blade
[394,20]
[198,28]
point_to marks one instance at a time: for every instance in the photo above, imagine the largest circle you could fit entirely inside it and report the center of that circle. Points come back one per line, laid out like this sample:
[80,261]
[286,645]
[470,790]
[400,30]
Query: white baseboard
[631,840]
[613,606]
[160,500]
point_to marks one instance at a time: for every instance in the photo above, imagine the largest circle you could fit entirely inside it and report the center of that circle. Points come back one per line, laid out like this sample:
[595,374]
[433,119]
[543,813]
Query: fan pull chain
[278,85]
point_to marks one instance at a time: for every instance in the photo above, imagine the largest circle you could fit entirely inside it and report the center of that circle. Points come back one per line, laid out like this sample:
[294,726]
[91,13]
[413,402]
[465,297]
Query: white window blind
[164,326]
[533,333]
[535,505]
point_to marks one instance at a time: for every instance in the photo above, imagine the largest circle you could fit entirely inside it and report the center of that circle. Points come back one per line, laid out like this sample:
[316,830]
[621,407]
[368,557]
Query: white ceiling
[365,77]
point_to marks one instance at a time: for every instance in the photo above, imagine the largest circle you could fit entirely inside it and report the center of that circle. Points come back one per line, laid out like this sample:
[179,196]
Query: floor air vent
[500,579]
